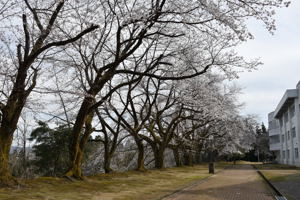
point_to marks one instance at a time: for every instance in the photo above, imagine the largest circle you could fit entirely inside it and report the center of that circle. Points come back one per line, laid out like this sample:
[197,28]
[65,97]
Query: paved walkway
[240,182]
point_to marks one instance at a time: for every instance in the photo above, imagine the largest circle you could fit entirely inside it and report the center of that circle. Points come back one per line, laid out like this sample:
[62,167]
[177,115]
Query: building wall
[274,136]
[289,137]
[288,130]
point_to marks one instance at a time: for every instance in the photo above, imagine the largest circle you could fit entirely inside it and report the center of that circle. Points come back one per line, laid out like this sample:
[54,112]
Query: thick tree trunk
[177,157]
[6,138]
[75,170]
[107,160]
[10,116]
[107,168]
[141,155]
[159,157]
[78,143]
[85,117]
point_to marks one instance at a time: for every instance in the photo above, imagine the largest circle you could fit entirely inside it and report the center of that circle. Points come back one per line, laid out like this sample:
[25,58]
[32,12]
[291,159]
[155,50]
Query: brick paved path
[240,182]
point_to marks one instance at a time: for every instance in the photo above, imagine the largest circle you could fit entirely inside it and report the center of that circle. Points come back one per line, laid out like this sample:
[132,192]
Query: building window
[282,138]
[274,139]
[286,117]
[283,154]
[294,132]
[292,111]
[296,153]
[273,124]
[288,154]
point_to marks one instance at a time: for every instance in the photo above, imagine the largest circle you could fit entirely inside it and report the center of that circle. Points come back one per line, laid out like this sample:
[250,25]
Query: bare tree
[111,130]
[23,71]
[138,105]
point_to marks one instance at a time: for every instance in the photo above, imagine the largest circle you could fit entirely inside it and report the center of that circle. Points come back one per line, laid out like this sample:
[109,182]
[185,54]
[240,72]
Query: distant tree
[262,144]
[260,150]
[51,149]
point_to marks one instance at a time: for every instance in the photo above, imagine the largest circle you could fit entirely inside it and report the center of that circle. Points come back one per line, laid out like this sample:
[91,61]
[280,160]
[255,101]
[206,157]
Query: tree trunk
[198,159]
[78,142]
[107,159]
[188,158]
[75,169]
[6,138]
[24,155]
[177,157]
[141,155]
[159,157]
[107,162]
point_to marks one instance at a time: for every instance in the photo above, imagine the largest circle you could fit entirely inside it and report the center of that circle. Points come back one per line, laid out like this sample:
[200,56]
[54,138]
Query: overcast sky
[280,54]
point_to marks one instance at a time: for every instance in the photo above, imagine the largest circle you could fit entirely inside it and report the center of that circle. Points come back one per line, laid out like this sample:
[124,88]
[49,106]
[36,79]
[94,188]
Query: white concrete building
[284,128]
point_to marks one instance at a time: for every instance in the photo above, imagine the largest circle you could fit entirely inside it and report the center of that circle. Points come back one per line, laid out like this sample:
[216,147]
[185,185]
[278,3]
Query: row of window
[286,116]
[286,154]
[273,124]
[274,139]
[288,135]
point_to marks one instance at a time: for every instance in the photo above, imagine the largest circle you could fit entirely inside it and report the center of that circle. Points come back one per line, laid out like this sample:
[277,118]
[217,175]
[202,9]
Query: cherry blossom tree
[216,105]
[26,41]
[170,39]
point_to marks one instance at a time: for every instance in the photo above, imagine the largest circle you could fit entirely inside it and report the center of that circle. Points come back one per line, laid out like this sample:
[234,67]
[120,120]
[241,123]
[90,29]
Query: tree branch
[68,41]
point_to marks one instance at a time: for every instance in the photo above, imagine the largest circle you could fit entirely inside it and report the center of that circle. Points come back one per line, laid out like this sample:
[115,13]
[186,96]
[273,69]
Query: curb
[279,195]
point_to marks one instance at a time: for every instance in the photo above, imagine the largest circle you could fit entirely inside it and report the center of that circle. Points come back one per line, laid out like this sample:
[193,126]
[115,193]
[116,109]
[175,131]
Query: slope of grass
[276,167]
[279,172]
[282,175]
[131,185]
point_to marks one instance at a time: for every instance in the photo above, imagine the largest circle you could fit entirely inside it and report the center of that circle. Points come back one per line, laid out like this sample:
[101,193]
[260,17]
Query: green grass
[131,185]
[279,172]
[276,167]
[282,175]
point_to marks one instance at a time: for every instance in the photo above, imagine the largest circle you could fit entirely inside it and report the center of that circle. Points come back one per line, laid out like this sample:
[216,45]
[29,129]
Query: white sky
[280,54]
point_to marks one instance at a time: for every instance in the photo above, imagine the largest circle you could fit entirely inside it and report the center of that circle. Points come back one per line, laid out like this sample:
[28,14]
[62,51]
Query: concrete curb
[279,195]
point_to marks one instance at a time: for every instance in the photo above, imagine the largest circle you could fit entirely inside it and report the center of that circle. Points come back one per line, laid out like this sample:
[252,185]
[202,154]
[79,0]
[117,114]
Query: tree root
[10,182]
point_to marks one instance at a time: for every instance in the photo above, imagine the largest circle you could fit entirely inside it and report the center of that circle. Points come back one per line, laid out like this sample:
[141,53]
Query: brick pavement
[241,182]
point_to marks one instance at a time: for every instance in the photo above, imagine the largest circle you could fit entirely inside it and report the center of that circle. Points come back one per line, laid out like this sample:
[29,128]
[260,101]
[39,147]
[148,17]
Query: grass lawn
[276,167]
[152,184]
[286,178]
[279,172]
